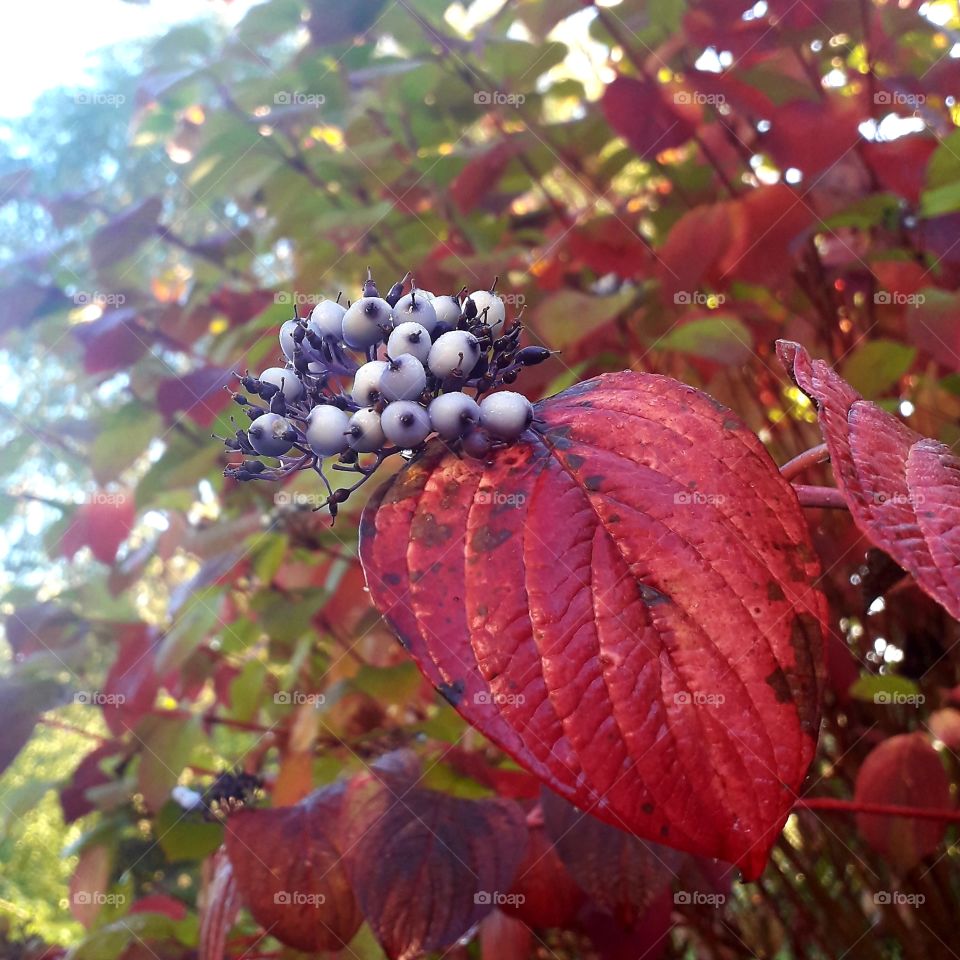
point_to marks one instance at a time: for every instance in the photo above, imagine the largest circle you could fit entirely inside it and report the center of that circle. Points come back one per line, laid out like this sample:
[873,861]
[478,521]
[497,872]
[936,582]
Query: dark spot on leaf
[486,539]
[594,482]
[482,610]
[664,831]
[731,424]
[774,591]
[426,528]
[451,692]
[575,461]
[647,808]
[781,689]
[650,595]
[392,578]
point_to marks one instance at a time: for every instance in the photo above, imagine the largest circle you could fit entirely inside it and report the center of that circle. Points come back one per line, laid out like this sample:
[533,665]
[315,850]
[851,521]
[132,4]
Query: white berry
[364,433]
[404,378]
[405,423]
[327,319]
[447,309]
[366,383]
[452,414]
[477,443]
[286,381]
[506,414]
[454,354]
[365,322]
[327,430]
[409,337]
[271,435]
[496,311]
[287,343]
[404,301]
[418,309]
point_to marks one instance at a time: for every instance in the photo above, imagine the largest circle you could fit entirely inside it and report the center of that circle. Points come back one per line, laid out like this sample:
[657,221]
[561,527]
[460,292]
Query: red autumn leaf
[693,248]
[621,874]
[459,856]
[902,489]
[796,137]
[904,771]
[544,892]
[199,393]
[900,165]
[289,871]
[90,773]
[131,685]
[647,938]
[945,726]
[20,707]
[768,227]
[42,627]
[481,175]
[638,112]
[114,341]
[218,906]
[125,233]
[608,245]
[239,306]
[622,603]
[160,903]
[503,938]
[101,524]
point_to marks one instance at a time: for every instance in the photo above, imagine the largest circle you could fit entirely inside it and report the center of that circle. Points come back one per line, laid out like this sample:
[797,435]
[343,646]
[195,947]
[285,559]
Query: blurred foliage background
[668,186]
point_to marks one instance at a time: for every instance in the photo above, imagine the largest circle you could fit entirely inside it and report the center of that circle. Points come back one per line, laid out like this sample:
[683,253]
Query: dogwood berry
[366,384]
[454,354]
[327,428]
[506,414]
[417,308]
[406,299]
[409,337]
[364,432]
[404,378]
[405,423]
[271,435]
[447,309]
[365,322]
[477,443]
[285,380]
[326,320]
[452,414]
[496,312]
[287,344]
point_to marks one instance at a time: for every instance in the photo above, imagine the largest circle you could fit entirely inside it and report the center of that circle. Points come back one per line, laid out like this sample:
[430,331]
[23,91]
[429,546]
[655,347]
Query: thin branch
[878,809]
[809,458]
[827,497]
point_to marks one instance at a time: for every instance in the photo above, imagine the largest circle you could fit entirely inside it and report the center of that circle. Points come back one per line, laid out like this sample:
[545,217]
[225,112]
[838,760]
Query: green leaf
[569,316]
[940,200]
[186,836]
[123,437]
[886,689]
[875,367]
[196,623]
[722,338]
[166,747]
[389,685]
[246,689]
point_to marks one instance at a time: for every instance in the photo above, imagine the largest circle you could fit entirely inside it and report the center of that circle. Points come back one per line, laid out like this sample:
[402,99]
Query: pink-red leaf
[426,867]
[903,489]
[903,771]
[289,871]
[624,604]
[218,906]
[638,112]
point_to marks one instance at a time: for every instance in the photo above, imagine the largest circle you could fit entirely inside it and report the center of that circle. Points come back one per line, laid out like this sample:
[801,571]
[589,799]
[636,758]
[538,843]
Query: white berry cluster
[379,377]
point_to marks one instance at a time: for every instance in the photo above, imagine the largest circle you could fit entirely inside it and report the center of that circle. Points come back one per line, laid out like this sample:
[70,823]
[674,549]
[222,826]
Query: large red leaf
[903,771]
[624,604]
[903,489]
[101,524]
[622,874]
[638,111]
[288,869]
[459,856]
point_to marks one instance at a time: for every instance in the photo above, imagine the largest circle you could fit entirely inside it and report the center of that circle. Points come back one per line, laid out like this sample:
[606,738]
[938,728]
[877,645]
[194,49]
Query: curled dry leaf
[903,489]
[427,867]
[289,871]
[623,603]
[903,771]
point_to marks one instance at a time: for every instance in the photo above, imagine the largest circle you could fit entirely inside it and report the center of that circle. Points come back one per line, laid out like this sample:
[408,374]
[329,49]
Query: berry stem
[880,809]
[796,466]
[827,497]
